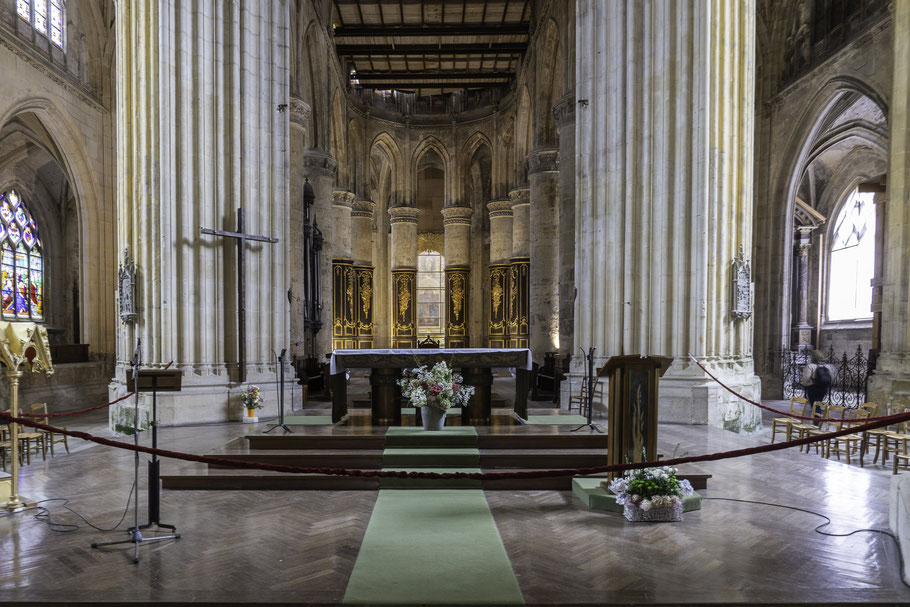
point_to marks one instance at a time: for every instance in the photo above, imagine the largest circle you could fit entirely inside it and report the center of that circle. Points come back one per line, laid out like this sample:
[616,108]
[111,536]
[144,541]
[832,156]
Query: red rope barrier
[205,459]
[773,410]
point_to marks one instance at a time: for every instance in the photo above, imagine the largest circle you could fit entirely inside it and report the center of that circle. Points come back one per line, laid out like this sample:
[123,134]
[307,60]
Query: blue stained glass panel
[6,212]
[28,237]
[14,234]
[8,303]
[21,218]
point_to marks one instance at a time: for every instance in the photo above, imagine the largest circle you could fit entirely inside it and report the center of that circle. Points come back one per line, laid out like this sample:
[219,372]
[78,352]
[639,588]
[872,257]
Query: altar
[474,364]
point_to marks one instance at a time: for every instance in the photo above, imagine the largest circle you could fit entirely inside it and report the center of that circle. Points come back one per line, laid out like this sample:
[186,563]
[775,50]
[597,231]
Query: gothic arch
[312,87]
[432,145]
[95,224]
[477,142]
[384,146]
[338,141]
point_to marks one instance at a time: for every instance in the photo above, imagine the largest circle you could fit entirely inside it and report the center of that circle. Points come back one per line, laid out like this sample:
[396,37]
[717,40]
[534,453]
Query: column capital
[543,160]
[456,216]
[520,196]
[363,208]
[564,109]
[403,215]
[319,163]
[342,198]
[299,110]
[500,208]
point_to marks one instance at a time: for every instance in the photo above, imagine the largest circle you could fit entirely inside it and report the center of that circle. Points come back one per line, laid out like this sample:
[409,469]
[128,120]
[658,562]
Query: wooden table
[475,364]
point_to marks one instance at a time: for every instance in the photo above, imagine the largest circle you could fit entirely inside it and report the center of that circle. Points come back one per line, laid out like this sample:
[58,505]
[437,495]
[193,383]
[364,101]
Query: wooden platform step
[371,441]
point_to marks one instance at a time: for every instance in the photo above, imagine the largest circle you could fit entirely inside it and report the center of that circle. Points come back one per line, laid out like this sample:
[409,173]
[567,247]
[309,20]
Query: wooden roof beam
[436,29]
[347,50]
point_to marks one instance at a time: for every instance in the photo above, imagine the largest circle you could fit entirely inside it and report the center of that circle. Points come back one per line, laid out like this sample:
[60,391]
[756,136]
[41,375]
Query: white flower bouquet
[250,398]
[438,387]
[651,494]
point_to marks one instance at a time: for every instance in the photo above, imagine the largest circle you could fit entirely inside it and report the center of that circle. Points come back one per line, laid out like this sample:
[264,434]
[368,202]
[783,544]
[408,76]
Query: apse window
[45,16]
[852,259]
[431,294]
[21,261]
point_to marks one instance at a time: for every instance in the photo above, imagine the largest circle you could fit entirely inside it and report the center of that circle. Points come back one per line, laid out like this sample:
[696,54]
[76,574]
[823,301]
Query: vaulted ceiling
[431,46]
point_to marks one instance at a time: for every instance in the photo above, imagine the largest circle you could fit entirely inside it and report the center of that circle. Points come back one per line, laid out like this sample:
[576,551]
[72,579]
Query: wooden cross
[241,283]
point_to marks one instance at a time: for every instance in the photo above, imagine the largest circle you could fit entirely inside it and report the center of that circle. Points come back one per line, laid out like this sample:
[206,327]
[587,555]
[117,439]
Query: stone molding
[342,198]
[564,110]
[300,111]
[403,215]
[319,163]
[499,208]
[520,196]
[457,216]
[543,160]
[363,208]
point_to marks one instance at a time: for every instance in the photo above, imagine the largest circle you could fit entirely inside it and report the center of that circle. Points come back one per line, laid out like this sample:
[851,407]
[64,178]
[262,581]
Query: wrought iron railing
[849,375]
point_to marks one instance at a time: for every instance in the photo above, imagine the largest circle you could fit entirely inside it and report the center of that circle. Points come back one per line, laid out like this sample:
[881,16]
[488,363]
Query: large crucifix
[241,237]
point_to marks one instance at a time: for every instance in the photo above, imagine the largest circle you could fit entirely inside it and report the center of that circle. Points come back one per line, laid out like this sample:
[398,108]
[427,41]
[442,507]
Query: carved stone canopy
[342,198]
[457,215]
[564,110]
[299,110]
[805,216]
[540,161]
[319,163]
[500,208]
[520,196]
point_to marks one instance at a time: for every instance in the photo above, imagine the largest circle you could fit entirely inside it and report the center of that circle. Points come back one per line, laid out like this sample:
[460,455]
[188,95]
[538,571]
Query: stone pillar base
[891,381]
[690,398]
[204,399]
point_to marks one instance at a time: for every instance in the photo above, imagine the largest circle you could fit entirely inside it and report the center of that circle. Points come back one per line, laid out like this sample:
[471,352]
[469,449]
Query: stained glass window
[57,22]
[46,16]
[852,259]
[21,261]
[431,295]
[40,11]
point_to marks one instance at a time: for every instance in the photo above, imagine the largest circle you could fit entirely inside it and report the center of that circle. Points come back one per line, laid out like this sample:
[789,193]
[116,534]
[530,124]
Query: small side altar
[475,364]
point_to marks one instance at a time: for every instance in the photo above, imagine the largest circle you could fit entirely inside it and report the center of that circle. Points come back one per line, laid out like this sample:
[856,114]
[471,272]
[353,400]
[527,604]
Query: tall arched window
[46,16]
[431,295]
[852,259]
[21,261]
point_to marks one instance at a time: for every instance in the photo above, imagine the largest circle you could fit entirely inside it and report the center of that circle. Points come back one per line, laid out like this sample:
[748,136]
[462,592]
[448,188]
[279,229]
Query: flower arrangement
[251,398]
[651,494]
[438,387]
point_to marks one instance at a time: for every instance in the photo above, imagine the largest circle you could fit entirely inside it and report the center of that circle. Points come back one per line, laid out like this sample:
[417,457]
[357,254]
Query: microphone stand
[135,532]
[280,423]
[590,395]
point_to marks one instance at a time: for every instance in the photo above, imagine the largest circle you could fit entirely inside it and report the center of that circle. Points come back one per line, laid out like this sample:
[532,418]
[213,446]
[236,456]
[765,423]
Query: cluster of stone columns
[457,225]
[509,271]
[403,220]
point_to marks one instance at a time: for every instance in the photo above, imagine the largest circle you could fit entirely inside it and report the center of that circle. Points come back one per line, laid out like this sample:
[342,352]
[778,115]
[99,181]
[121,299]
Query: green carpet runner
[432,546]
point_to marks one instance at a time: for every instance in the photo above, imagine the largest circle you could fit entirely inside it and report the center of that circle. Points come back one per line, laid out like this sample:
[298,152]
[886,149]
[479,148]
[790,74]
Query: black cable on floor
[43,515]
[825,524]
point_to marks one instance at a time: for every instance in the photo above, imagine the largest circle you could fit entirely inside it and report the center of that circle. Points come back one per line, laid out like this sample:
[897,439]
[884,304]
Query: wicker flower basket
[655,515]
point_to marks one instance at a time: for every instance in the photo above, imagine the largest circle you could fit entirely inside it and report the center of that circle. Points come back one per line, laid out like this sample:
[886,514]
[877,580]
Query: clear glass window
[852,260]
[431,295]
[40,10]
[24,9]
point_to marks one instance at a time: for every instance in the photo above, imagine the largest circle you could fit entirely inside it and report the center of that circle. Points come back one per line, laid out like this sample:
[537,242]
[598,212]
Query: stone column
[664,194]
[319,170]
[517,304]
[544,226]
[344,311]
[564,111]
[362,251]
[500,254]
[457,224]
[891,382]
[802,329]
[880,200]
[403,222]
[194,123]
[299,113]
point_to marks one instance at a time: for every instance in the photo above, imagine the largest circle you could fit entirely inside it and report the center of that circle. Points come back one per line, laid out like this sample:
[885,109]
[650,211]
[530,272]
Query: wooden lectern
[633,406]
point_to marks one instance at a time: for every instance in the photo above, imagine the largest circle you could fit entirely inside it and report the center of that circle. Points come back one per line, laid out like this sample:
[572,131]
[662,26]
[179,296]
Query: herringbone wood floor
[299,547]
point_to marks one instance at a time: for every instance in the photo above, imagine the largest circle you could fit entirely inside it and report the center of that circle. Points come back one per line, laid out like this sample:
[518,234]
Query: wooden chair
[878,434]
[828,411]
[784,425]
[896,440]
[898,458]
[582,397]
[41,408]
[850,443]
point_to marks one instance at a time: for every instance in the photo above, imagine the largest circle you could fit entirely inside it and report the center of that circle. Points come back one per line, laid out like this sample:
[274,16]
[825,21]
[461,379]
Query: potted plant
[434,391]
[251,400]
[651,494]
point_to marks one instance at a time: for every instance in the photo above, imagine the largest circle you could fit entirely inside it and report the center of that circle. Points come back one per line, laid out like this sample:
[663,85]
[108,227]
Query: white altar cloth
[338,364]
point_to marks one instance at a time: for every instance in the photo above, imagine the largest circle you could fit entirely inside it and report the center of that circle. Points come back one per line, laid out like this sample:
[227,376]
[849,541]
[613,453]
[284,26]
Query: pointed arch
[549,86]
[338,140]
[384,148]
[312,86]
[428,146]
[522,136]
[478,142]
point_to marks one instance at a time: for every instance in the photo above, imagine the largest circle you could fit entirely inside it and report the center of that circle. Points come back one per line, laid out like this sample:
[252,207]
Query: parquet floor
[298,547]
